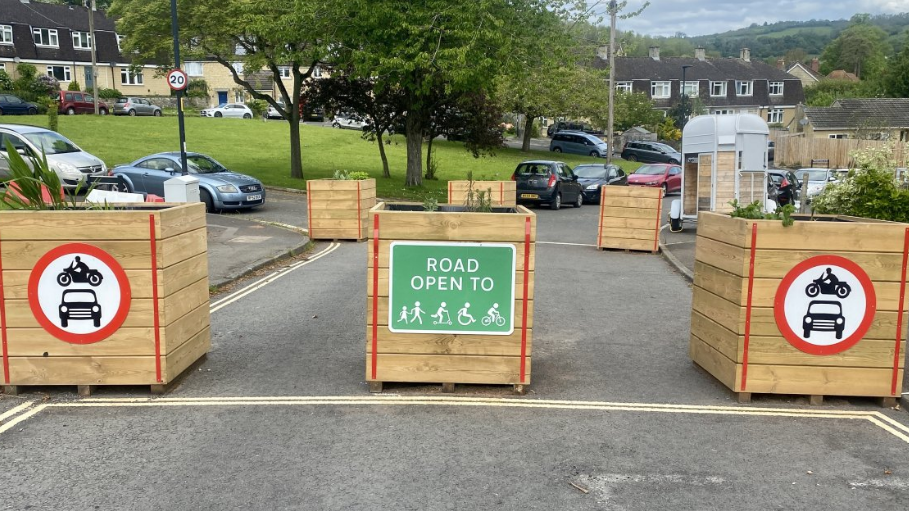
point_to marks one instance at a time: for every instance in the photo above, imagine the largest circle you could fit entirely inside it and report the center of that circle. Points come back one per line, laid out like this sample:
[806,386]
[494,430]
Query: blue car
[219,188]
[10,105]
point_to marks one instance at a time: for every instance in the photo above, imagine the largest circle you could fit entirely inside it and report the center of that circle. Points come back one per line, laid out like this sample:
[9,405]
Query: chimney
[700,54]
[603,52]
[655,52]
[781,64]
[815,65]
[746,55]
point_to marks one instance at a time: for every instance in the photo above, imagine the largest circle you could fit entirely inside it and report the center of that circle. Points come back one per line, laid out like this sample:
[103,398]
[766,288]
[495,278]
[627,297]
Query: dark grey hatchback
[547,182]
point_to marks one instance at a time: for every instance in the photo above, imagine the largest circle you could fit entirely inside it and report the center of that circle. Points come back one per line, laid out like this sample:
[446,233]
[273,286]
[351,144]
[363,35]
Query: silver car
[71,163]
[228,110]
[135,106]
[817,180]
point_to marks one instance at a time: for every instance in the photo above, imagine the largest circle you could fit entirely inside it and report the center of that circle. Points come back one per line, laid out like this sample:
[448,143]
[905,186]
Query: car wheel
[556,202]
[64,322]
[218,114]
[32,111]
[806,332]
[206,198]
[839,334]
[131,113]
[335,125]
[594,154]
[247,116]
[557,149]
[632,157]
[102,111]
[580,202]
[157,113]
[70,111]
[97,322]
[665,189]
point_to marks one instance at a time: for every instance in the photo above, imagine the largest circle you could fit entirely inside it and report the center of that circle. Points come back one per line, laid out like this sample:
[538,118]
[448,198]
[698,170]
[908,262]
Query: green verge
[262,149]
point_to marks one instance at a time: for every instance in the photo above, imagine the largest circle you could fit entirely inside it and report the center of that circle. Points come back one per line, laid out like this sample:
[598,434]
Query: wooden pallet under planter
[163,253]
[339,209]
[739,268]
[502,193]
[449,358]
[630,218]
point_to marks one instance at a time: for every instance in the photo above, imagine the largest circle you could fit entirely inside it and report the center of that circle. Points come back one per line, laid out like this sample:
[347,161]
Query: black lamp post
[684,95]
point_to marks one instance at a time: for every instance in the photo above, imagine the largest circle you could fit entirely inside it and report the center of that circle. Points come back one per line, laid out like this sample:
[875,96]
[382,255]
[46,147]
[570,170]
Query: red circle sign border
[779,309]
[59,333]
[176,71]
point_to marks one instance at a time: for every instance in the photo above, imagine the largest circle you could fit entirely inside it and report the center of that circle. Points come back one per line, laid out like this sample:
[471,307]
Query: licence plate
[253,197]
[529,196]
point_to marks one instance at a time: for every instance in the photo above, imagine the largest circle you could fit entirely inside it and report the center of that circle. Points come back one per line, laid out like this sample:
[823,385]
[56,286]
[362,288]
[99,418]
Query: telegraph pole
[611,130]
[91,38]
[176,35]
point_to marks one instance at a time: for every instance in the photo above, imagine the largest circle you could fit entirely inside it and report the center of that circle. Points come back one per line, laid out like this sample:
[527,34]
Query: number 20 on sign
[456,288]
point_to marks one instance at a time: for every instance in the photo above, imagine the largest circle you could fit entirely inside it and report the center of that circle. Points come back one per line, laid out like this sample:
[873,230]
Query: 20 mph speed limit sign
[176,79]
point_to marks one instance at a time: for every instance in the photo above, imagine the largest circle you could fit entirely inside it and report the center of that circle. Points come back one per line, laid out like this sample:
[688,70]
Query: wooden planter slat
[449,358]
[127,356]
[720,306]
[629,218]
[502,193]
[339,209]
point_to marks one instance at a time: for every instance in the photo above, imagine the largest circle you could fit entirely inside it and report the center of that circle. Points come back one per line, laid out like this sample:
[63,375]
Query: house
[870,119]
[809,75]
[56,40]
[722,86]
[223,89]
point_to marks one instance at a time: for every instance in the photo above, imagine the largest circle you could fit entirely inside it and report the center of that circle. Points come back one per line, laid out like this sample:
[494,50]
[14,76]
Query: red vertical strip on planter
[375,294]
[154,274]
[359,219]
[899,318]
[501,193]
[656,237]
[748,306]
[526,289]
[602,217]
[3,326]
[309,209]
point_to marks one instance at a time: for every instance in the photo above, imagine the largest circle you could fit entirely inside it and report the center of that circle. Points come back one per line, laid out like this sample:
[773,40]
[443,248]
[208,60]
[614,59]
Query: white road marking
[568,244]
[895,483]
[9,413]
[602,485]
[11,424]
[236,295]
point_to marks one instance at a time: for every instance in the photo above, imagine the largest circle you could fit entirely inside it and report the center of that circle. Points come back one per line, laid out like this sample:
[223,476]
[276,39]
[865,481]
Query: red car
[663,175]
[73,102]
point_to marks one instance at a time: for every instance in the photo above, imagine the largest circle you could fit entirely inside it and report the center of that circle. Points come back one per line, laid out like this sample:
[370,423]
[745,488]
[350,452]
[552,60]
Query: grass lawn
[262,149]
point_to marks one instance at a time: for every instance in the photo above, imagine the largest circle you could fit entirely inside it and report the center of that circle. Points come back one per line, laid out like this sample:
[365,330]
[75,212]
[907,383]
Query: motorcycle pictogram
[828,284]
[79,272]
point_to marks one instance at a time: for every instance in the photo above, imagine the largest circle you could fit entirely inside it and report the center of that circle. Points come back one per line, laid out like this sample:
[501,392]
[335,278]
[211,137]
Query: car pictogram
[79,304]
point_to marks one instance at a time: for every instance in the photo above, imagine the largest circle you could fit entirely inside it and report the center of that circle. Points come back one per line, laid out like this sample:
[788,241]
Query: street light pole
[684,93]
[176,34]
[91,41]
[610,129]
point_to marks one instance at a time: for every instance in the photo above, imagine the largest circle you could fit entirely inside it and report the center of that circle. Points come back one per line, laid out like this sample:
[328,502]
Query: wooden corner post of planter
[103,297]
[630,218]
[817,308]
[450,296]
[339,208]
[501,193]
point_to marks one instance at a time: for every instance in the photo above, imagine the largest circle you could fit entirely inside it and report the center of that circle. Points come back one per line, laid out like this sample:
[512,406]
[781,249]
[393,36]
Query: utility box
[181,189]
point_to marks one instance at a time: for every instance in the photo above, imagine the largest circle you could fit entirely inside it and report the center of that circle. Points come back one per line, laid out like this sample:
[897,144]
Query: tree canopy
[861,49]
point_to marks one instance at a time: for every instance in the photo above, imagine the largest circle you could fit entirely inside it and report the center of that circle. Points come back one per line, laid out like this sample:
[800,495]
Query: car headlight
[839,321]
[63,308]
[95,308]
[67,168]
[592,187]
[652,182]
[808,320]
[228,189]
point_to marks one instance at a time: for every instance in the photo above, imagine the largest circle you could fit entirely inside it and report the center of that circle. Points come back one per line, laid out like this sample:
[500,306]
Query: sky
[700,17]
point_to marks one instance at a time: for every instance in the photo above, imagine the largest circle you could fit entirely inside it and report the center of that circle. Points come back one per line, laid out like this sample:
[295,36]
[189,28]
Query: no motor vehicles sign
[457,288]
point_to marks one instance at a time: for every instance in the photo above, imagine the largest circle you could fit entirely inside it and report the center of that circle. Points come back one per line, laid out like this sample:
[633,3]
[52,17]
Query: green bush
[26,71]
[258,107]
[197,88]
[74,86]
[870,190]
[109,94]
[6,83]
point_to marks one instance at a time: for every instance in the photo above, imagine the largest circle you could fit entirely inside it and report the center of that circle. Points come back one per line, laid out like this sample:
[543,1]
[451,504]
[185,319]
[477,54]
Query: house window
[82,41]
[743,88]
[45,37]
[120,39]
[838,135]
[660,89]
[284,71]
[718,89]
[128,78]
[317,72]
[776,88]
[193,68]
[6,34]
[239,96]
[239,50]
[723,111]
[238,67]
[623,87]
[691,88]
[775,116]
[2,66]
[61,73]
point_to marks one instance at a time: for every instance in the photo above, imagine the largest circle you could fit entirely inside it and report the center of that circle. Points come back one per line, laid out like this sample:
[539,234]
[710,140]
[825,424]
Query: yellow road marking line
[9,413]
[890,430]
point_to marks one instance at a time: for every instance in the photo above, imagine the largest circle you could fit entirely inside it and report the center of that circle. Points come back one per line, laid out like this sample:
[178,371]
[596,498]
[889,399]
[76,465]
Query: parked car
[650,152]
[273,113]
[571,126]
[824,316]
[219,188]
[72,103]
[135,106]
[348,121]
[771,147]
[71,163]
[547,182]
[238,110]
[576,142]
[783,187]
[817,180]
[12,105]
[594,176]
[660,175]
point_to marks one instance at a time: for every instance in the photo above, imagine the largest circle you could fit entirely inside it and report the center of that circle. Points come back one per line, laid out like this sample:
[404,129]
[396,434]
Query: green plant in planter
[430,203]
[754,211]
[344,175]
[478,201]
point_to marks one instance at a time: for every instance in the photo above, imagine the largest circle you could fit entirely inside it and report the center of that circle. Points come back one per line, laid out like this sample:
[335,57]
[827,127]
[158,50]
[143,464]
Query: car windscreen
[532,169]
[78,296]
[651,170]
[122,100]
[203,165]
[51,143]
[591,171]
[825,308]
[664,148]
[813,175]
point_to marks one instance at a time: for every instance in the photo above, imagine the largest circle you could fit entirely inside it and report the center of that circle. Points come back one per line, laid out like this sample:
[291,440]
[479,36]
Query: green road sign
[455,288]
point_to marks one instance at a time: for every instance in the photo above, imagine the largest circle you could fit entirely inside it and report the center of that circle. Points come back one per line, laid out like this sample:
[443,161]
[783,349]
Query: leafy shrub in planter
[870,190]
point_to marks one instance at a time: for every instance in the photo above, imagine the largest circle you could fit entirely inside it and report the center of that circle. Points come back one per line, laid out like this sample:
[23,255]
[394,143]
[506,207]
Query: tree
[269,35]
[472,118]
[896,81]
[861,49]
[635,109]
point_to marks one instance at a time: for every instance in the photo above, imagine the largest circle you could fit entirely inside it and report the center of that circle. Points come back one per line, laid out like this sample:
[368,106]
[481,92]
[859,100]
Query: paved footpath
[278,416]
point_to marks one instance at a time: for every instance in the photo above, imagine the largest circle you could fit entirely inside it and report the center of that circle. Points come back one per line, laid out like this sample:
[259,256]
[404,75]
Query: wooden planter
[162,252]
[630,218]
[502,193]
[443,357]
[744,268]
[339,209]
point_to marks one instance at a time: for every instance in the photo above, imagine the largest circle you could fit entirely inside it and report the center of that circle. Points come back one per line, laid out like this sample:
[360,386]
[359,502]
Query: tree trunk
[414,125]
[385,171]
[296,154]
[429,172]
[528,127]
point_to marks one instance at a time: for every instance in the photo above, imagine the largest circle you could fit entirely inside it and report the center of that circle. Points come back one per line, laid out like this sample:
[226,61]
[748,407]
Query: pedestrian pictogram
[825,305]
[79,293]
[459,288]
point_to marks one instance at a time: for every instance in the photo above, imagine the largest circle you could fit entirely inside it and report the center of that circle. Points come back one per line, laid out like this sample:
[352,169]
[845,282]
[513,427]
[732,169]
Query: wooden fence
[800,151]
